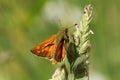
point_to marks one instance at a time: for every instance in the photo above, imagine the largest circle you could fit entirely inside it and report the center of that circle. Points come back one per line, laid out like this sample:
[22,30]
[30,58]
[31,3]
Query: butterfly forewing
[45,48]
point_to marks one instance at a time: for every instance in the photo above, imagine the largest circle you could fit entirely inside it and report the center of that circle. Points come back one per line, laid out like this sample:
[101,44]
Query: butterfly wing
[53,48]
[45,49]
[60,52]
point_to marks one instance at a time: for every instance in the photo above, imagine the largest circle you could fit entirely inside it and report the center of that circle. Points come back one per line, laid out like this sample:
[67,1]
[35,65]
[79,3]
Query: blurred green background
[25,23]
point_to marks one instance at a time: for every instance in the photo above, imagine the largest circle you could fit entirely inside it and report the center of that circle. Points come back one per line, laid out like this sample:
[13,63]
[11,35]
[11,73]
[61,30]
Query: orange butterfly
[53,48]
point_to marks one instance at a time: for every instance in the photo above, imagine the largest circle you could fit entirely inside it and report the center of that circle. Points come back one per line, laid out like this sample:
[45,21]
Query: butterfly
[53,48]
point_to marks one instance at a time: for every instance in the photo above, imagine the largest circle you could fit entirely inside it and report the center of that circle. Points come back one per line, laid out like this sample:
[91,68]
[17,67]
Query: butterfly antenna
[59,22]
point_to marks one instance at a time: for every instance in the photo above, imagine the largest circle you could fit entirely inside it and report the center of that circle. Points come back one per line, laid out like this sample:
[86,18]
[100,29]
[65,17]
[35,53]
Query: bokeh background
[25,23]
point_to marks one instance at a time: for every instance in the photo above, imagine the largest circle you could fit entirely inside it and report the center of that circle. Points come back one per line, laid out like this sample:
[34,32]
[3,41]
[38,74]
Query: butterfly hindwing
[60,51]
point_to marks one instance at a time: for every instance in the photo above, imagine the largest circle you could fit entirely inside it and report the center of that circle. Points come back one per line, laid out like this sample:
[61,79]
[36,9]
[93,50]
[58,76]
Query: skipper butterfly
[53,48]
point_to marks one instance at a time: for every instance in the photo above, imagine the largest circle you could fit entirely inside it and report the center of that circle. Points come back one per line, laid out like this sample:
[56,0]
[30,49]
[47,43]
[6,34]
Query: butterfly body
[53,48]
